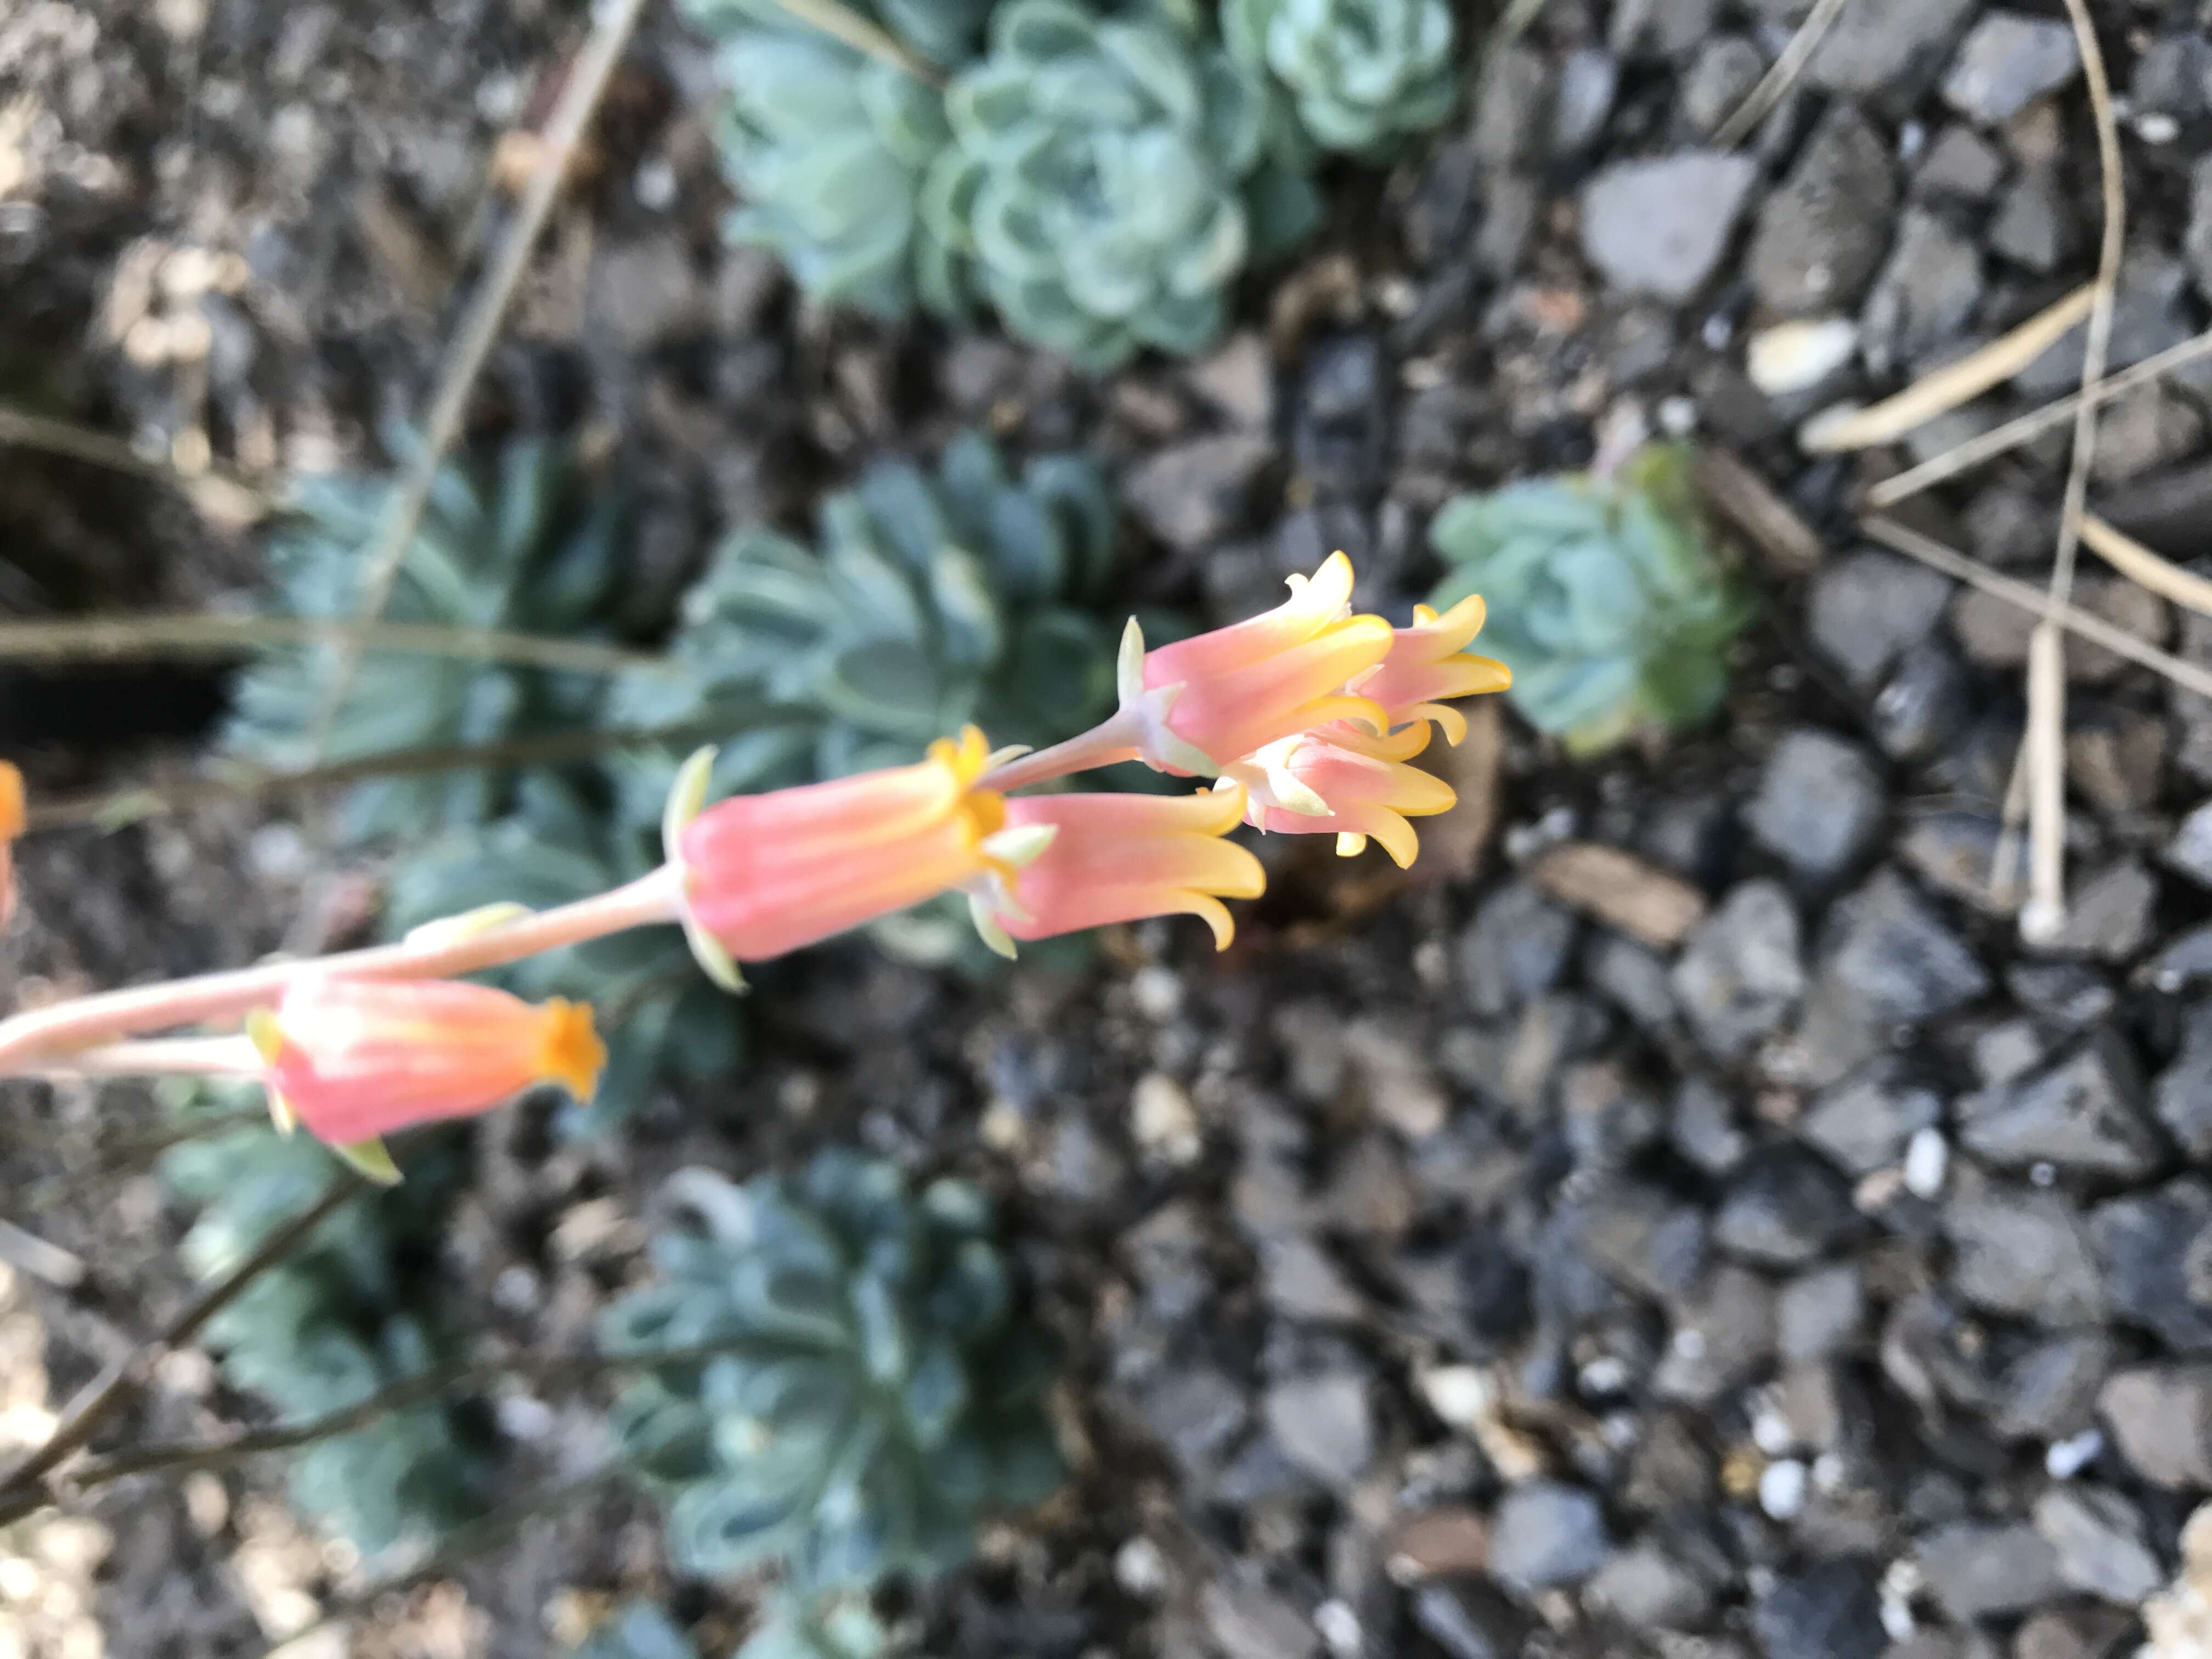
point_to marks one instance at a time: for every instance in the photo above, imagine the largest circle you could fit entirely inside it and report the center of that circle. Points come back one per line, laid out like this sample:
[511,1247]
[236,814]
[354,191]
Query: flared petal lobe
[1121,858]
[1429,665]
[1344,781]
[764,874]
[354,1059]
[1201,704]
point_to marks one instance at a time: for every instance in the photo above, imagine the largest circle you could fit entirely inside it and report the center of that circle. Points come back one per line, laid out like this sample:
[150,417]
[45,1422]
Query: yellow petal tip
[266,1034]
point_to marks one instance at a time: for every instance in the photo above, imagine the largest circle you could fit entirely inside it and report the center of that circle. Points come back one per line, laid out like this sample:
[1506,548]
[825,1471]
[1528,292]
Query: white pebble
[1140,1569]
[1340,1627]
[1770,1432]
[2042,1175]
[1781,1489]
[1828,1473]
[1678,416]
[1458,1394]
[2064,1459]
[279,851]
[1794,356]
[655,183]
[1164,1120]
[1927,1160]
[1157,992]
[1897,1620]
[2157,127]
[525,1418]
[1605,1375]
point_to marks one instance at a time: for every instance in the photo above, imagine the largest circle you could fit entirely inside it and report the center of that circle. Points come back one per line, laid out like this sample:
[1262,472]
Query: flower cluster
[1306,718]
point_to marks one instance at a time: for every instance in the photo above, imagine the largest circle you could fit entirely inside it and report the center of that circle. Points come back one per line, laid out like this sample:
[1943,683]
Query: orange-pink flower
[1197,706]
[11,826]
[1118,858]
[763,874]
[1429,662]
[1344,780]
[354,1059]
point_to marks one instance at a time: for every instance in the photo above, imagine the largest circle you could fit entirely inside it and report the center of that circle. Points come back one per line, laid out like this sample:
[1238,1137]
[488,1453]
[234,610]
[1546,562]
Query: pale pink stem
[37,1040]
[1111,740]
[187,1056]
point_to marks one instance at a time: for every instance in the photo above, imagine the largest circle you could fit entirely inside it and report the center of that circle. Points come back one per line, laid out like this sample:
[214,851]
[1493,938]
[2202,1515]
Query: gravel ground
[1743,1247]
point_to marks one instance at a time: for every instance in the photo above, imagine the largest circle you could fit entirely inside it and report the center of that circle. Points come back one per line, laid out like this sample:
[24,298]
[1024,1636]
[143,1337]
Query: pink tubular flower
[1429,662]
[1195,706]
[1340,779]
[11,826]
[763,874]
[354,1059]
[1118,858]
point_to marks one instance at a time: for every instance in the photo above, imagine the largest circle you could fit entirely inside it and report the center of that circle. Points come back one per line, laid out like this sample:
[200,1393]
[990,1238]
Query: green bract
[658,1015]
[525,548]
[933,600]
[827,146]
[338,1321]
[1107,179]
[1604,597]
[1359,72]
[877,1392]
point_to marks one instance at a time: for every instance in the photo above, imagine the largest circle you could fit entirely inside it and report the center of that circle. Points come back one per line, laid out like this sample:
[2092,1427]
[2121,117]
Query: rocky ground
[1736,1246]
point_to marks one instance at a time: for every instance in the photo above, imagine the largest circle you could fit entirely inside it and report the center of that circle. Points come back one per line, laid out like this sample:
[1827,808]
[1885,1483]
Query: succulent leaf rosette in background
[341,1319]
[1606,598]
[932,599]
[829,145]
[874,1391]
[524,546]
[1109,179]
[1359,74]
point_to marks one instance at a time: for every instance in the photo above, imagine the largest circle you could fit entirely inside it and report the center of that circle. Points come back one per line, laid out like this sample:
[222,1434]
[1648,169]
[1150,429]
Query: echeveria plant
[1109,177]
[1604,596]
[1359,73]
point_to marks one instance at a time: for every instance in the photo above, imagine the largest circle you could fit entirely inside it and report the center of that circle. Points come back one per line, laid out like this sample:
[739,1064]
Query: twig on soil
[203,634]
[2043,917]
[462,1546]
[2022,429]
[1942,390]
[1777,81]
[22,1489]
[2190,676]
[1515,23]
[220,494]
[2045,912]
[2146,568]
[2004,857]
[187,1456]
[110,809]
[62,1269]
[594,65]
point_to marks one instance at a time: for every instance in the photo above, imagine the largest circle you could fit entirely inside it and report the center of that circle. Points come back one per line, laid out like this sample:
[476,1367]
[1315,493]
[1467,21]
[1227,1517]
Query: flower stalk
[1304,717]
